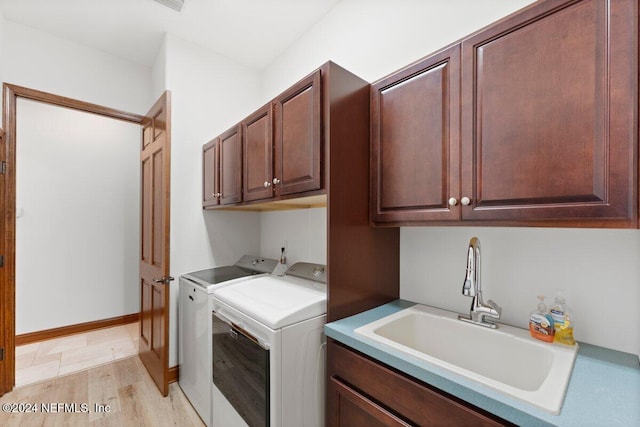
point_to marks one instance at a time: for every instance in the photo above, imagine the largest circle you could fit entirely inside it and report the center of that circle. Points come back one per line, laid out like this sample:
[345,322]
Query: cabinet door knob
[267,184]
[276,181]
[465,201]
[453,201]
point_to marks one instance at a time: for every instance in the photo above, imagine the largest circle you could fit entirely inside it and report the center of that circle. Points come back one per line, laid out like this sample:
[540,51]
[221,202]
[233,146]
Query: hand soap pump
[562,320]
[541,325]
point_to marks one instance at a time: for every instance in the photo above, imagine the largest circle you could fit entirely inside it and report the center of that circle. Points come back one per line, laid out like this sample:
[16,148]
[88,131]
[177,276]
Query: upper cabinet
[222,169]
[549,108]
[282,143]
[548,124]
[276,153]
[231,166]
[415,140]
[258,154]
[210,175]
[297,137]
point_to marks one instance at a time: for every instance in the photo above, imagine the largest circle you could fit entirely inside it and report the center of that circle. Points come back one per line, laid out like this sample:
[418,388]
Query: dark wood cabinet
[280,148]
[230,144]
[298,137]
[285,145]
[283,150]
[210,175]
[258,154]
[415,141]
[222,169]
[363,392]
[549,114]
[548,134]
[356,410]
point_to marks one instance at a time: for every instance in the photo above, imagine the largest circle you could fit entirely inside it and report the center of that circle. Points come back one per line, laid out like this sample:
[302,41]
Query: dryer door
[241,371]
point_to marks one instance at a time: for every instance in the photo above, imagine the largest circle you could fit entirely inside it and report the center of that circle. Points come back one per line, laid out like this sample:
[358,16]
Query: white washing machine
[269,350]
[195,325]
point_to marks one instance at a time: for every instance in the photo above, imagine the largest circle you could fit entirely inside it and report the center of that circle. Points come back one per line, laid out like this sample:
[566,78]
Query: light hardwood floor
[123,386]
[48,359]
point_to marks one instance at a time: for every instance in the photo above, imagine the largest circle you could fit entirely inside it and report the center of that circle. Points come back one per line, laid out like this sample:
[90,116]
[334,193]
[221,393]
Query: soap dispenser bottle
[281,268]
[541,323]
[563,321]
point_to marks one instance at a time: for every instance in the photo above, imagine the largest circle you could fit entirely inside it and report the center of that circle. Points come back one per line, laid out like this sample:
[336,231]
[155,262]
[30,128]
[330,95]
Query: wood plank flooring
[118,394]
[48,359]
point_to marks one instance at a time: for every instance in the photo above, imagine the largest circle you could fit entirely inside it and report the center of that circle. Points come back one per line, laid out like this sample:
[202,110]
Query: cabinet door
[398,398]
[298,137]
[231,166]
[210,177]
[352,409]
[415,141]
[258,154]
[549,114]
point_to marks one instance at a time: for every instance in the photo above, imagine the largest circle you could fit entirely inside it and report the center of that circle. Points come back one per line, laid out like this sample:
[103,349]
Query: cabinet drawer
[410,400]
[356,410]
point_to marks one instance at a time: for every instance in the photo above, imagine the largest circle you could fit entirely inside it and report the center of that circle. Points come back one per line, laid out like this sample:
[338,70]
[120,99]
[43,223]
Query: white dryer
[195,327]
[269,350]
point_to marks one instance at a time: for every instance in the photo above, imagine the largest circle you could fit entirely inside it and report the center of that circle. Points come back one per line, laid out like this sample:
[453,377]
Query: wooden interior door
[154,242]
[6,368]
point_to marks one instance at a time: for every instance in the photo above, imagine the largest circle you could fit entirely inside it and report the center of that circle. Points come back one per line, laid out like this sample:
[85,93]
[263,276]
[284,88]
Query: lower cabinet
[354,409]
[363,392]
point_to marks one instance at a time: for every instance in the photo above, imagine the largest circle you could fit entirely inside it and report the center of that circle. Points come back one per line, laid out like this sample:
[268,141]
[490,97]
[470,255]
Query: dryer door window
[241,371]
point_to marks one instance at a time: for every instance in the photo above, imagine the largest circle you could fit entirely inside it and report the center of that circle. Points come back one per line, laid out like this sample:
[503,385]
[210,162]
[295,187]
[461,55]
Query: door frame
[11,93]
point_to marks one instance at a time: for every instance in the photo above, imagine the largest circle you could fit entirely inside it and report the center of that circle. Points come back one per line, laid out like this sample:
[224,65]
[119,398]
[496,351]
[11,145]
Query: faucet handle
[495,306]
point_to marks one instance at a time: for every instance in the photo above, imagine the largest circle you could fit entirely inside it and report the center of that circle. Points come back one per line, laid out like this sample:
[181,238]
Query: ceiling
[252,32]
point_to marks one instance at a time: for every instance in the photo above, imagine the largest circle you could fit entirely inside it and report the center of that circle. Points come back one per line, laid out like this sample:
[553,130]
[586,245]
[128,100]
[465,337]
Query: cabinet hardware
[276,181]
[267,184]
[453,201]
[465,201]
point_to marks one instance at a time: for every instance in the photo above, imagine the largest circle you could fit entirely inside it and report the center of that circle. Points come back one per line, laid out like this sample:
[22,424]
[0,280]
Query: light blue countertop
[604,389]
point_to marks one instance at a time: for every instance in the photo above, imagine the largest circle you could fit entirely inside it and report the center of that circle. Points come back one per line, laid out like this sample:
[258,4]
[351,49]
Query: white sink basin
[506,359]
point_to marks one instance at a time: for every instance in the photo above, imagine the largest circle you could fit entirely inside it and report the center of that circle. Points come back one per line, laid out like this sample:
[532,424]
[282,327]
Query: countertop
[604,389]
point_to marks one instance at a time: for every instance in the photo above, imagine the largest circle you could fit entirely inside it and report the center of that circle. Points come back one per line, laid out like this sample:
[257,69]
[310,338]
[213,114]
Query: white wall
[302,232]
[78,228]
[210,93]
[44,62]
[41,61]
[597,268]
[2,36]
[373,38]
